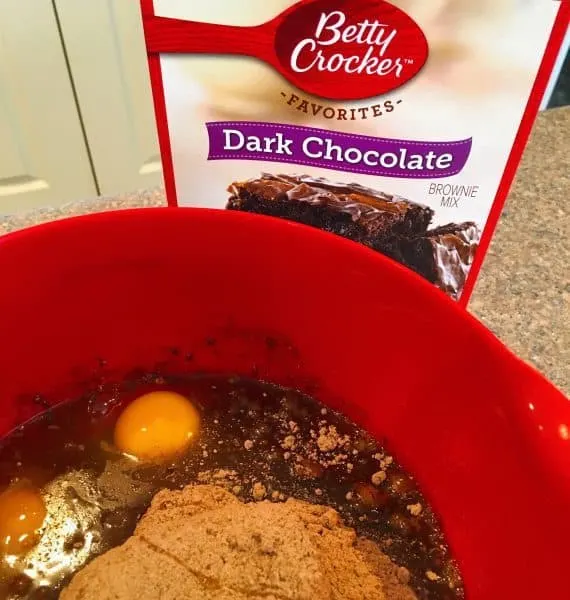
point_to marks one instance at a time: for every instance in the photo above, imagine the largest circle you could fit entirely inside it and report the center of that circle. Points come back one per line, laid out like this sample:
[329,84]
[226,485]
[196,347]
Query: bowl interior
[486,437]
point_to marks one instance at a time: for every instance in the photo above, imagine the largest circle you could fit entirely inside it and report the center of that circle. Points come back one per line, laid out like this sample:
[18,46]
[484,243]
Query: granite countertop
[523,293]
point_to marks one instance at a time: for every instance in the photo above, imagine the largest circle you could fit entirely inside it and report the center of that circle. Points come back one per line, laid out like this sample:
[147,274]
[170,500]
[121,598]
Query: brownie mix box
[398,125]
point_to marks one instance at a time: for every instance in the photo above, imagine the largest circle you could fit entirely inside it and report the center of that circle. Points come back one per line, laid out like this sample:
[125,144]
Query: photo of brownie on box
[443,255]
[387,223]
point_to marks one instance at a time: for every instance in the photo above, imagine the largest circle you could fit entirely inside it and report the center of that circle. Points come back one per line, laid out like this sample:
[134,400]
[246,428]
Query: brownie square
[443,255]
[353,211]
[387,223]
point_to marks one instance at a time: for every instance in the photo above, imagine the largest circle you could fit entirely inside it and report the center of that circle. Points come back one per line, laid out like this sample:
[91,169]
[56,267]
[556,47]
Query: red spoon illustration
[336,49]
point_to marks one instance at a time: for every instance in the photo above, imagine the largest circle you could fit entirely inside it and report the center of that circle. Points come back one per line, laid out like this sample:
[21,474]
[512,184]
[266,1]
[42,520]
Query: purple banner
[326,149]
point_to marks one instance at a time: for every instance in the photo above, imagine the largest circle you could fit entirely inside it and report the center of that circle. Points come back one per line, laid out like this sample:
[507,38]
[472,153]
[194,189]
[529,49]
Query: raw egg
[22,514]
[157,426]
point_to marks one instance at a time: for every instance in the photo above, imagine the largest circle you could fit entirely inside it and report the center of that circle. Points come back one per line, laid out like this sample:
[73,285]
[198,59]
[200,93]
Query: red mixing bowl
[485,435]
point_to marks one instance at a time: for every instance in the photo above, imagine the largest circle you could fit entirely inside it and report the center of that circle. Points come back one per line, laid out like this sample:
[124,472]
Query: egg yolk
[22,513]
[157,426]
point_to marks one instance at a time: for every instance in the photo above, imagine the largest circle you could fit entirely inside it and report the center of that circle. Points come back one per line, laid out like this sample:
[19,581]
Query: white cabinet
[43,155]
[107,57]
[76,115]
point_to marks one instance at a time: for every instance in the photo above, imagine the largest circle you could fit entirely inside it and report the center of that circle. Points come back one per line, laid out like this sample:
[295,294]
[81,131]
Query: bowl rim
[358,250]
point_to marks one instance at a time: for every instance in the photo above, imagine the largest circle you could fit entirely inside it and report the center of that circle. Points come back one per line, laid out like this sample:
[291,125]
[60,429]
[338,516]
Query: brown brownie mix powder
[202,542]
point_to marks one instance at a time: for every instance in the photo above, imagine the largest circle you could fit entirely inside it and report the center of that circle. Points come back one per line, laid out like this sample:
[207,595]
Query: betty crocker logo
[335,49]
[311,53]
[349,49]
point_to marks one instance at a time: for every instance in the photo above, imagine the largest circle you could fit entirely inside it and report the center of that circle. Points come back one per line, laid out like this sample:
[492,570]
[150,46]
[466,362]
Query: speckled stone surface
[523,293]
[138,199]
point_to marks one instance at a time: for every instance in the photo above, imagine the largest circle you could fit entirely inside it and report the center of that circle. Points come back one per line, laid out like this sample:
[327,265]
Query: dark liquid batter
[257,440]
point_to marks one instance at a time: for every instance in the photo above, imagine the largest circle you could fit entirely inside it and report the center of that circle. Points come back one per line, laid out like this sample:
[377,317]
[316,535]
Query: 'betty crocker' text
[375,38]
